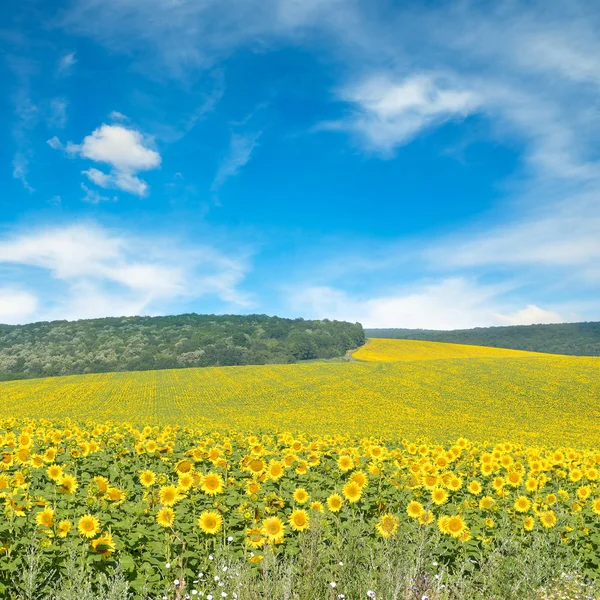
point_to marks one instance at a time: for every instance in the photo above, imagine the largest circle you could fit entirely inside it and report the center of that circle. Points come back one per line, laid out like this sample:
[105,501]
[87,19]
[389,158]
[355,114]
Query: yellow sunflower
[88,526]
[274,529]
[299,520]
[334,503]
[387,525]
[212,484]
[352,491]
[210,522]
[165,517]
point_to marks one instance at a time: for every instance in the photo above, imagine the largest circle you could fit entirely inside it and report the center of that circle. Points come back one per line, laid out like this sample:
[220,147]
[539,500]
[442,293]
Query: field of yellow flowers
[162,472]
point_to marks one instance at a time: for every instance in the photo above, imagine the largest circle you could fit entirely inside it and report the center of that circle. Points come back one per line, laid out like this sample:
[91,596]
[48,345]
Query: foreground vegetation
[180,511]
[579,339]
[474,478]
[141,343]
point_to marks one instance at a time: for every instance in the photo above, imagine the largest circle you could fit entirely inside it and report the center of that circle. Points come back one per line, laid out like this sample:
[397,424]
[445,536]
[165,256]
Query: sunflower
[212,484]
[255,538]
[443,524]
[88,526]
[103,545]
[548,519]
[456,526]
[169,495]
[387,525]
[584,492]
[531,485]
[522,504]
[486,502]
[68,484]
[45,517]
[317,506]
[514,478]
[426,517]
[345,463]
[528,523]
[147,478]
[596,506]
[352,491]
[439,496]
[455,483]
[359,478]
[102,484]
[165,517]
[430,481]
[275,470]
[210,522]
[300,496]
[115,494]
[334,503]
[54,472]
[299,520]
[184,466]
[63,528]
[274,529]
[474,487]
[252,487]
[186,481]
[414,509]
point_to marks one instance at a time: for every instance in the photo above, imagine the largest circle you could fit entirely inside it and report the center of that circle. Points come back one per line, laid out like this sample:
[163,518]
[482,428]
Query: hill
[549,400]
[578,339]
[144,343]
[397,350]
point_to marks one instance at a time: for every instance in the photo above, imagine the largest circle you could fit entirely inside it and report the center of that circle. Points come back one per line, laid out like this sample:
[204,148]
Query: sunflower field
[331,476]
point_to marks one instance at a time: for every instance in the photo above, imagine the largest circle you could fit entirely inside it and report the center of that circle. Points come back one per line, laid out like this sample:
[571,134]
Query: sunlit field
[392,350]
[460,478]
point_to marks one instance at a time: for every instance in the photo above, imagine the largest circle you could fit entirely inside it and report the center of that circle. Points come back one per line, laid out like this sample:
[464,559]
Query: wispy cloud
[389,113]
[102,272]
[452,303]
[241,147]
[66,63]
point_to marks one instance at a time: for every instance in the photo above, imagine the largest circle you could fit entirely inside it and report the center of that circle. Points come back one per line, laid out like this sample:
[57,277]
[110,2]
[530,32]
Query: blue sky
[407,164]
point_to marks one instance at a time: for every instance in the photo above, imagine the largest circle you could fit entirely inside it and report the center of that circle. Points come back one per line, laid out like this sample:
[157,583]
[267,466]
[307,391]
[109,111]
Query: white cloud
[240,151]
[389,113]
[530,315]
[122,148]
[115,115]
[16,306]
[66,62]
[55,143]
[452,303]
[94,197]
[126,150]
[101,272]
[57,114]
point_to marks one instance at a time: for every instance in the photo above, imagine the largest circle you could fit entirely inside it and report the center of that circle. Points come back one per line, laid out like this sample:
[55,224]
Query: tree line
[191,340]
[581,339]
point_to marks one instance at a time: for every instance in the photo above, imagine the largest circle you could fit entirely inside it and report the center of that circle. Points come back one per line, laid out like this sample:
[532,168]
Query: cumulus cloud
[16,306]
[124,149]
[102,272]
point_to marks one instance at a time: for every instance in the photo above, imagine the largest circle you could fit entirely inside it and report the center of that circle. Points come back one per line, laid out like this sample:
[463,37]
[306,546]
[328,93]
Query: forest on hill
[579,339]
[142,343]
